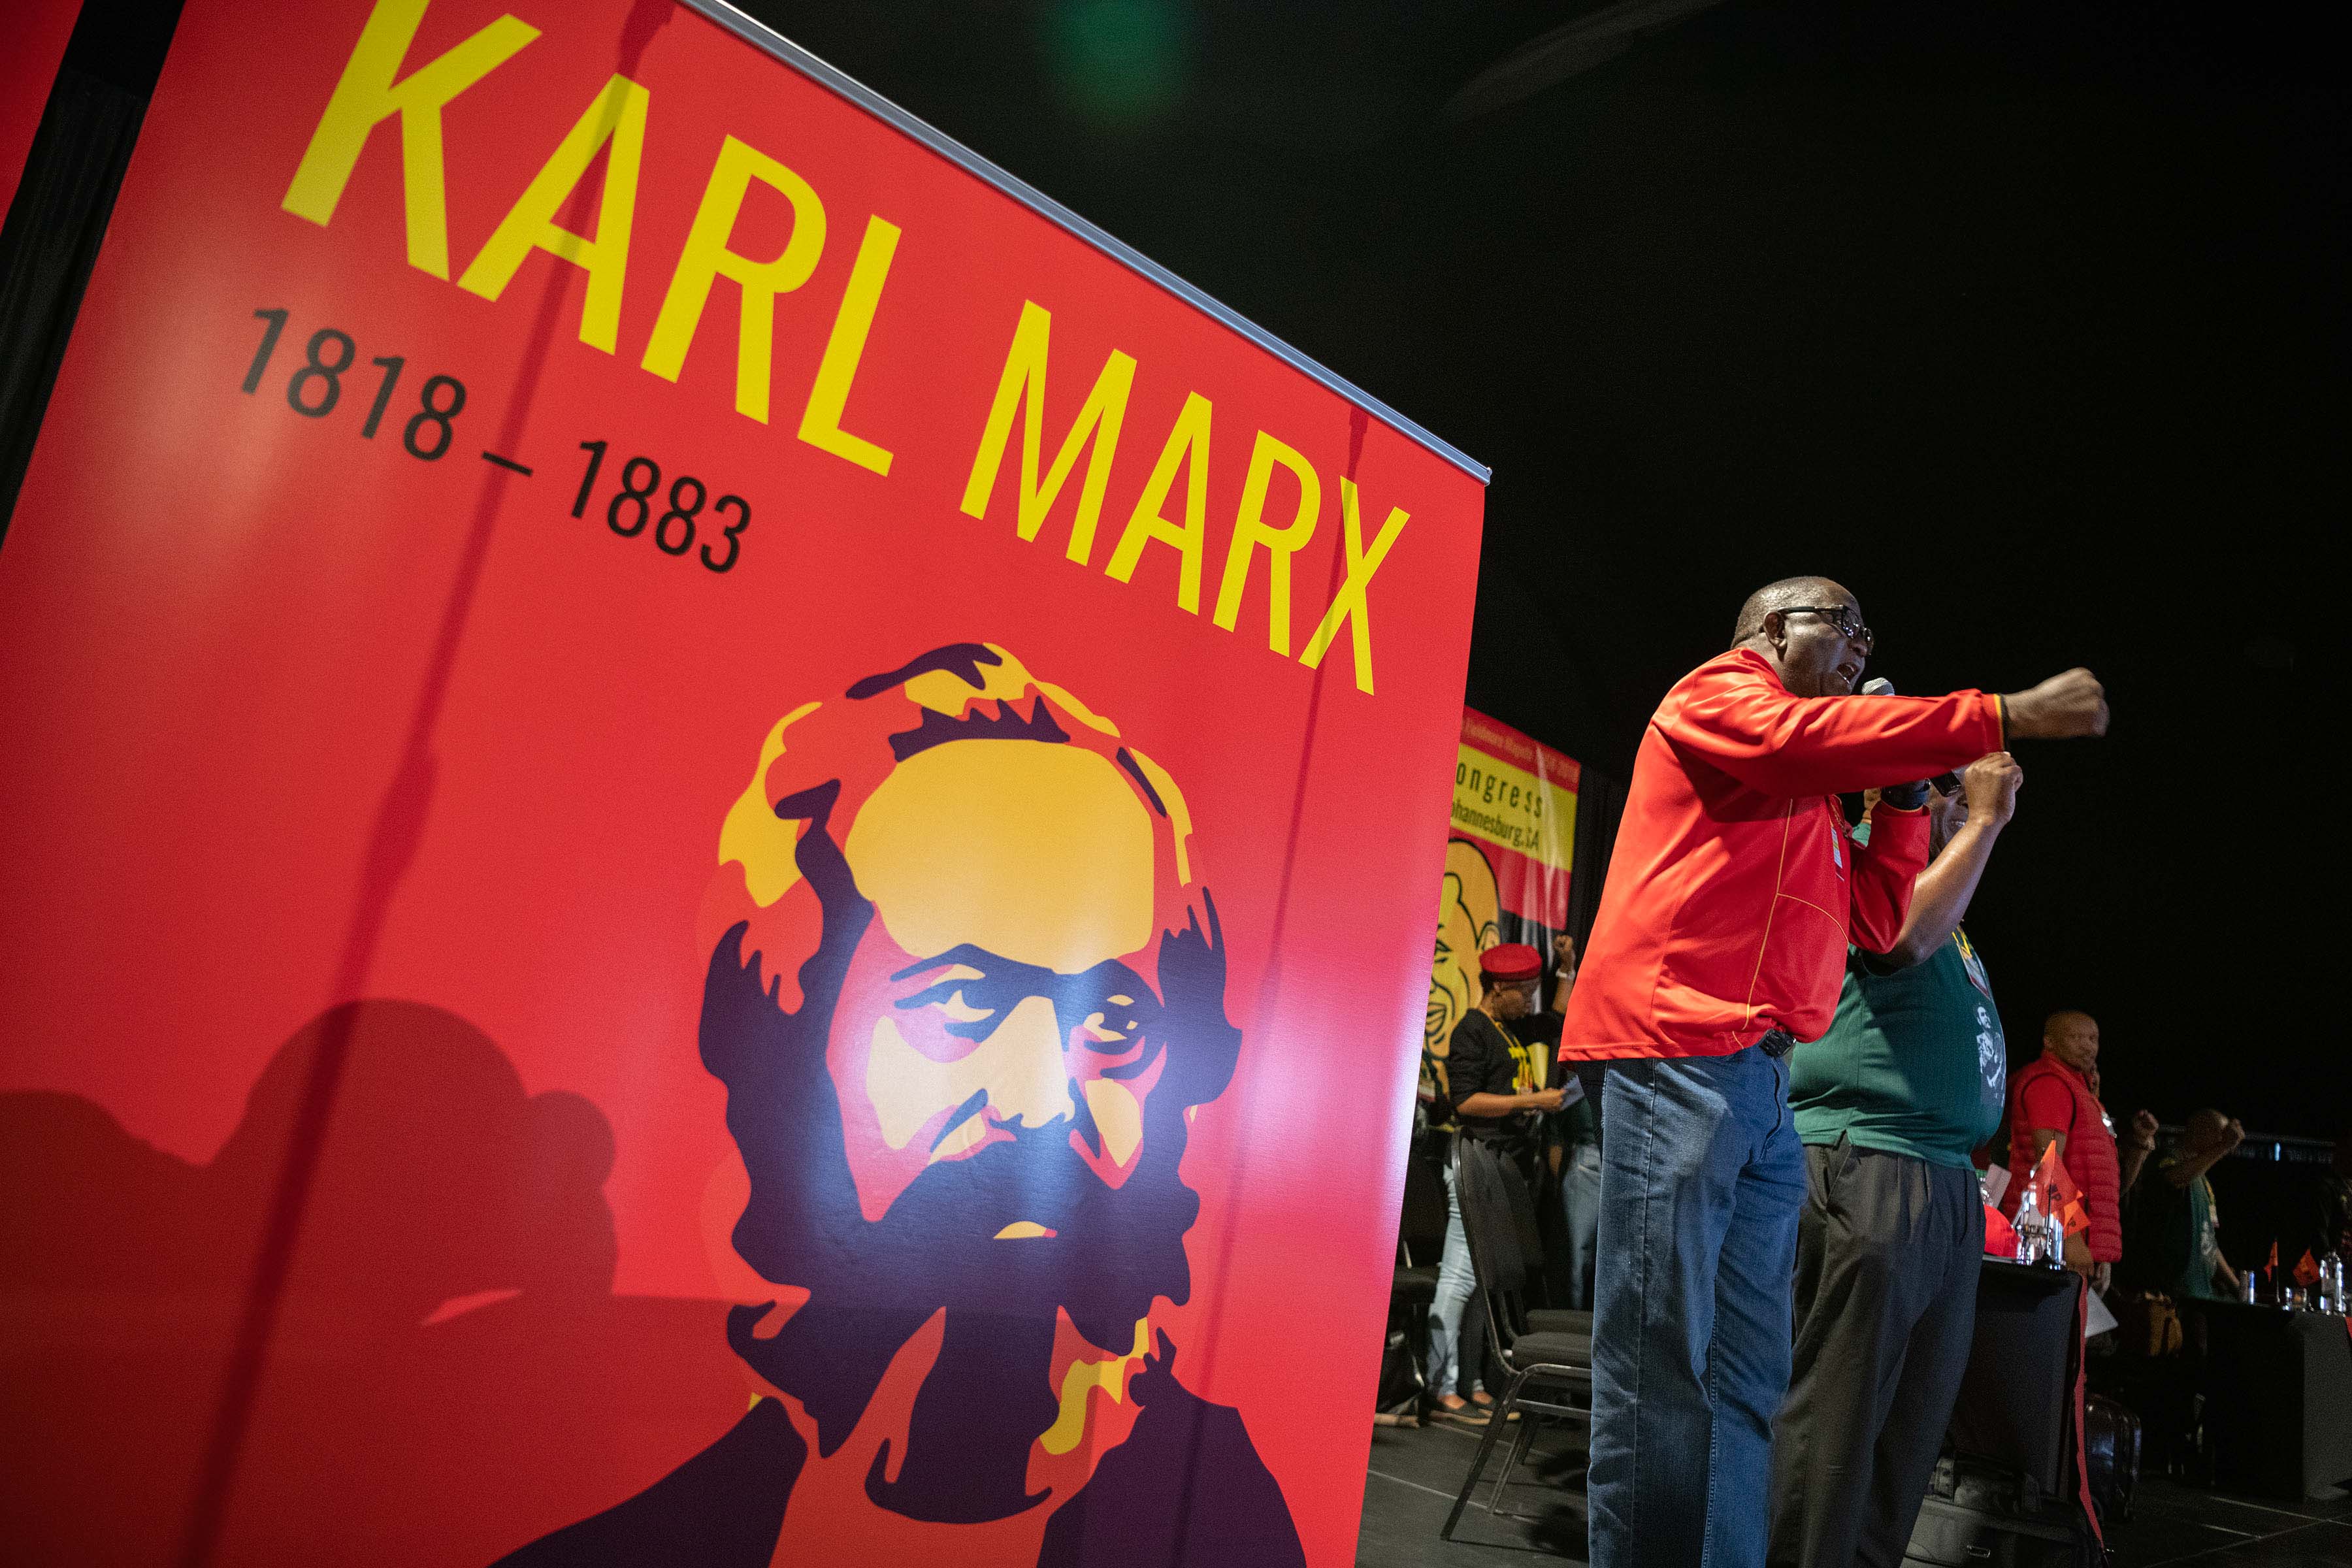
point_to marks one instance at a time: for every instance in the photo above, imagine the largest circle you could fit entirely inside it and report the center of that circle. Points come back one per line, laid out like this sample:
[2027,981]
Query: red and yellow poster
[1512,841]
[685,820]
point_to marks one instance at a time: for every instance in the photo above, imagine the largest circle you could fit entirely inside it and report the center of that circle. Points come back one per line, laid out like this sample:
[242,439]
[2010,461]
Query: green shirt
[1913,1064]
[2197,1281]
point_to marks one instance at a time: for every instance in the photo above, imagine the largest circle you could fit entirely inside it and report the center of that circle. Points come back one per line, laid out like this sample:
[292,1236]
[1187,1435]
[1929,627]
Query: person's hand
[2234,1135]
[2061,708]
[1563,953]
[2100,1276]
[1545,1099]
[1991,782]
[2143,1126]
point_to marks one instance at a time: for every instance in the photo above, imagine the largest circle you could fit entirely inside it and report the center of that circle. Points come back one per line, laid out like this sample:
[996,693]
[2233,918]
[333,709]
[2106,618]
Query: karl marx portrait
[974,993]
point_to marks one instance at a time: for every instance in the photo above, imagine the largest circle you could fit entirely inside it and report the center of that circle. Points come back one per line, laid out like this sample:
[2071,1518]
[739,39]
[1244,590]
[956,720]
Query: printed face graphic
[1468,918]
[1000,994]
[962,1019]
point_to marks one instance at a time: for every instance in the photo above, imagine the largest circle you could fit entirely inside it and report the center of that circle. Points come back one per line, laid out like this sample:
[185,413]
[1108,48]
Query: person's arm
[1747,723]
[2047,1111]
[2189,1167]
[1493,1105]
[2132,1152]
[1940,895]
[1884,873]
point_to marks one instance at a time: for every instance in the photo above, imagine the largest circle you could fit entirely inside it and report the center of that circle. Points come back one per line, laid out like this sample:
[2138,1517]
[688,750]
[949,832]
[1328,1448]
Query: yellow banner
[1510,807]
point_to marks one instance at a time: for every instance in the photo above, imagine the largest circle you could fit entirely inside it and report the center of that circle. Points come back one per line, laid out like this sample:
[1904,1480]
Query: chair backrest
[1422,1227]
[1496,1259]
[1524,1226]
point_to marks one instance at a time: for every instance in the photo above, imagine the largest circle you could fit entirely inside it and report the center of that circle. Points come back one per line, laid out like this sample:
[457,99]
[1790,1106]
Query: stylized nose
[1028,1083]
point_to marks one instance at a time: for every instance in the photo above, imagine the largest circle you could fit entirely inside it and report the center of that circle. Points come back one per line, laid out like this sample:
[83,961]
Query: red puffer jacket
[2089,1156]
[1733,888]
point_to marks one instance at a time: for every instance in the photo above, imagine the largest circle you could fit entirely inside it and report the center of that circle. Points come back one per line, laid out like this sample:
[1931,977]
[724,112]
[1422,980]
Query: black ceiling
[2025,321]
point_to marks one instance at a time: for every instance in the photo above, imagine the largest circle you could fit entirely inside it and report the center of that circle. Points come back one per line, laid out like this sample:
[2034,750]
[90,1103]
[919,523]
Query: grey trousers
[1888,1251]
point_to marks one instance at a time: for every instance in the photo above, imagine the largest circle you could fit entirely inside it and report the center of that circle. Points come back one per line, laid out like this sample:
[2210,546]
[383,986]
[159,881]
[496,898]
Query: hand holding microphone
[1913,795]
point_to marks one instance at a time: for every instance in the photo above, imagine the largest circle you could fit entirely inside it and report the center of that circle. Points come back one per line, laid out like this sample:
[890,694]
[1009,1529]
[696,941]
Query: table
[2278,1399]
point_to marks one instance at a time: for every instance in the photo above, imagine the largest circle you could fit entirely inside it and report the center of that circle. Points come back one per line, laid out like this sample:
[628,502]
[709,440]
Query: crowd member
[1731,893]
[1495,1082]
[2171,1223]
[2051,1101]
[1889,1103]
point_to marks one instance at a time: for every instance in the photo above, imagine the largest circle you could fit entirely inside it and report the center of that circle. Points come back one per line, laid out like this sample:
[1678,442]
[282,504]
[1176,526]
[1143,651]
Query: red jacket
[2048,1094]
[1733,888]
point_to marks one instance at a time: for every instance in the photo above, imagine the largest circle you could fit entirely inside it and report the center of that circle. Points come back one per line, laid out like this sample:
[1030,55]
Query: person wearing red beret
[1495,1090]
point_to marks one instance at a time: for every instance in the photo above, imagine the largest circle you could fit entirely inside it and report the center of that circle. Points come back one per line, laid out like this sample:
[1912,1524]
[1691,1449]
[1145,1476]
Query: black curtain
[1600,803]
[58,218]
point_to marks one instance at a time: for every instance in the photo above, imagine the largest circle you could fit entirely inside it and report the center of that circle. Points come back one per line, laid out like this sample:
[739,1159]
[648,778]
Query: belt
[1777,1042]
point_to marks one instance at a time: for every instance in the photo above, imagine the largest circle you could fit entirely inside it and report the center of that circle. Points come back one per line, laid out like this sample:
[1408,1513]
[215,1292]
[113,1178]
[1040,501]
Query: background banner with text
[1507,870]
[684,820]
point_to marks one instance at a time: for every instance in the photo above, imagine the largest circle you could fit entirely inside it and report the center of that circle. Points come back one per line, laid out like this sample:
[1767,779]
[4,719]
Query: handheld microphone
[1946,783]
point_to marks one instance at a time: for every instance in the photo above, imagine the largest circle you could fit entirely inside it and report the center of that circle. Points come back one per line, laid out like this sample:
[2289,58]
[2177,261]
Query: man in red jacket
[2056,1099]
[1720,941]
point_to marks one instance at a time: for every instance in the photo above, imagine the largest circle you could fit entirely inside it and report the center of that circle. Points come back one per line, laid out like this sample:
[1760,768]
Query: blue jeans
[1702,1179]
[1455,1286]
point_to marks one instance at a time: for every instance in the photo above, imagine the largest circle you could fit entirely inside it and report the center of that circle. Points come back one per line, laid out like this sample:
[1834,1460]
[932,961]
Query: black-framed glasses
[1847,622]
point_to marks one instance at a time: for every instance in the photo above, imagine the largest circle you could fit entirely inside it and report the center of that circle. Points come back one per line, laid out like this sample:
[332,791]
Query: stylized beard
[872,1284]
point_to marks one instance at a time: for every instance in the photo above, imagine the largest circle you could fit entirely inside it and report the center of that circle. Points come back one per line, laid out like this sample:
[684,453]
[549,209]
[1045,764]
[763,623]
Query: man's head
[1947,815]
[978,988]
[1510,972]
[2207,1130]
[2074,1039]
[1811,630]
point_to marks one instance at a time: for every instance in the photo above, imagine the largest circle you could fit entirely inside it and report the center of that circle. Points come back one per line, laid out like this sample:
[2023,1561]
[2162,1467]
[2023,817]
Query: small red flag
[2058,1194]
[2307,1272]
[2272,1266]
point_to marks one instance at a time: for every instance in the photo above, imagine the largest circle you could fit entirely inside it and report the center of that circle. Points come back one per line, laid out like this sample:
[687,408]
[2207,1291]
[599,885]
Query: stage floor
[1417,1471]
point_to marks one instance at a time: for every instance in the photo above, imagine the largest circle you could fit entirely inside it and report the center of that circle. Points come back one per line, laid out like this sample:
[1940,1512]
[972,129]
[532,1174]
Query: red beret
[1511,962]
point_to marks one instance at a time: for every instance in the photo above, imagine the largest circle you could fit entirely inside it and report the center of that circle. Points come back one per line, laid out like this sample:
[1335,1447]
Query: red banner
[686,823]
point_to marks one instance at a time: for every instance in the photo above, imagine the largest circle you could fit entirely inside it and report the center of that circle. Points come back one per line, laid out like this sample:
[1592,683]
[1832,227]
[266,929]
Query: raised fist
[2062,707]
[1991,782]
[2144,1125]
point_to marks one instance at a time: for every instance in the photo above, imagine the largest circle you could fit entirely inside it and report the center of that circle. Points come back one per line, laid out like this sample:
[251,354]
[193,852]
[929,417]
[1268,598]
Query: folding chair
[1546,1352]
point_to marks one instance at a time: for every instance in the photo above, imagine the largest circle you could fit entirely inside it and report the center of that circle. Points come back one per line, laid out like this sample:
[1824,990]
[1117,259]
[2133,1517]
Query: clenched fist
[1991,783]
[2060,708]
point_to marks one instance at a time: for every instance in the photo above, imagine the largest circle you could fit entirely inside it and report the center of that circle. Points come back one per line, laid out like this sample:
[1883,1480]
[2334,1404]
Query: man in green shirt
[1910,1077]
[2172,1227]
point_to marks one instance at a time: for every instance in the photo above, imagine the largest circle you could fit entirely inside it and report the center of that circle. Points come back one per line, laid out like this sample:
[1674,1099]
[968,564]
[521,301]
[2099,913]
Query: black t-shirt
[1484,1057]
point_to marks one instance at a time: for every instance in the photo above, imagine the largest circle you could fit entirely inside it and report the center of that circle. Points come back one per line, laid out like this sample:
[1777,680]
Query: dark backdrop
[2026,322]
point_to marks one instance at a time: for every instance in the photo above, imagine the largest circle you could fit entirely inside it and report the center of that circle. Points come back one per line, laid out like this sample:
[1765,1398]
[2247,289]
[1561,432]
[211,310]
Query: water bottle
[2054,1244]
[2331,1283]
[2031,1237]
[2246,1287]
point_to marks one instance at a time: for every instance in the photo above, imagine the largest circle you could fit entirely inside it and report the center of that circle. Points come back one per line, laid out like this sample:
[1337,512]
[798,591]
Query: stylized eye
[964,1012]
